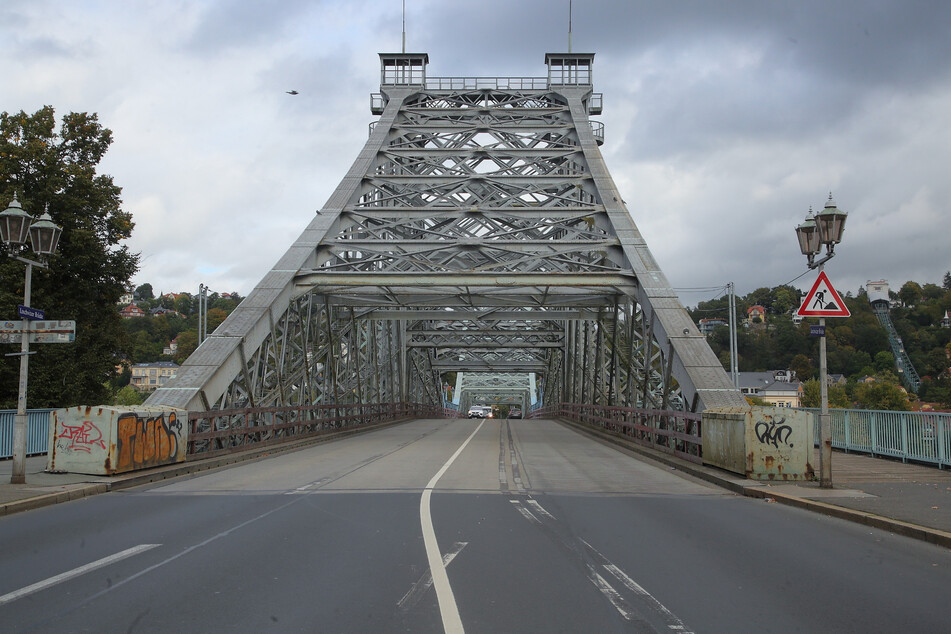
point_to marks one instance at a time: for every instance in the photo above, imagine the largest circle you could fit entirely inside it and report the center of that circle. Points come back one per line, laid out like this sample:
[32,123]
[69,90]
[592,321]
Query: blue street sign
[817,331]
[30,313]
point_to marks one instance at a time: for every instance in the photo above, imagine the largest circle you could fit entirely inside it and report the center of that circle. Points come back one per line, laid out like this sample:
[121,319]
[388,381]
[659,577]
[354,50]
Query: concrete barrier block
[105,440]
[761,443]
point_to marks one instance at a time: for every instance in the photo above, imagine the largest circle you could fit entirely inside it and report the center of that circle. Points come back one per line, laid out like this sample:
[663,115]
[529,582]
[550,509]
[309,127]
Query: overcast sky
[724,121]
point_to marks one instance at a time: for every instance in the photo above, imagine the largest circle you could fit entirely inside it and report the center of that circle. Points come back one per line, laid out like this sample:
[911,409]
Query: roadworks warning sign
[823,300]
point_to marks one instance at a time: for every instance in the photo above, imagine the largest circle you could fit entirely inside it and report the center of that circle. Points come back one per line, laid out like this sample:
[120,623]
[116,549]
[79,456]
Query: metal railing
[670,431]
[487,83]
[37,434]
[217,432]
[906,371]
[915,436]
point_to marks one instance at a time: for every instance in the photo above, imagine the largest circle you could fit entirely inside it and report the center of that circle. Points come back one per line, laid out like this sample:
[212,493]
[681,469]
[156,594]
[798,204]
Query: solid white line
[75,572]
[451,622]
[426,581]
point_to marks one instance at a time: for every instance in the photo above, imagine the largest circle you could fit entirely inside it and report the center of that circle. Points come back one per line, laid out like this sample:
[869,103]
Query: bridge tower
[478,230]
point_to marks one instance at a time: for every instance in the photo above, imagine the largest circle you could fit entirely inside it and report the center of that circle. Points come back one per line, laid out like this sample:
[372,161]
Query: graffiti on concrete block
[83,437]
[147,441]
[773,433]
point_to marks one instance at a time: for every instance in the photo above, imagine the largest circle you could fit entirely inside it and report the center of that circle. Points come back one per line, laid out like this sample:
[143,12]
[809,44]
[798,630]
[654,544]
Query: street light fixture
[15,226]
[825,228]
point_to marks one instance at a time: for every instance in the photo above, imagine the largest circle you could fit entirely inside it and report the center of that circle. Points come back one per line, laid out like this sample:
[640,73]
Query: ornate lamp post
[15,226]
[825,228]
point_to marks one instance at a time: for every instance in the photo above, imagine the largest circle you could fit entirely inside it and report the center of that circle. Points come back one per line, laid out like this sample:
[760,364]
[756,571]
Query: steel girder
[478,230]
[477,388]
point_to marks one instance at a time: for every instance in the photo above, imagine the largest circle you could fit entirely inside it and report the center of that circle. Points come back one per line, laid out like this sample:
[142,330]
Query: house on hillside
[131,311]
[755,314]
[946,320]
[171,348]
[149,376]
[125,299]
[708,325]
[168,312]
[778,388]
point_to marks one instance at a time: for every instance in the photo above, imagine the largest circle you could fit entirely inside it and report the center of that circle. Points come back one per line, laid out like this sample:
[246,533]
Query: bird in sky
[291,92]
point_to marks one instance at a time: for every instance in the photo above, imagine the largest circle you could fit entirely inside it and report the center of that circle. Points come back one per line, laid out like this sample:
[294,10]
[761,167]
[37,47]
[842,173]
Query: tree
[128,396]
[910,293]
[187,343]
[947,280]
[884,361]
[812,395]
[802,366]
[883,393]
[56,170]
[144,292]
[215,317]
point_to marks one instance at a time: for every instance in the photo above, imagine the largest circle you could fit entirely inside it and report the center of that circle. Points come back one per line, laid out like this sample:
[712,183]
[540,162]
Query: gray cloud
[724,121]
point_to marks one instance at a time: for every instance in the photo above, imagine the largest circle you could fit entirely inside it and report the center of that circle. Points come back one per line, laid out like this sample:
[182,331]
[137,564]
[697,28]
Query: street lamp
[823,229]
[15,226]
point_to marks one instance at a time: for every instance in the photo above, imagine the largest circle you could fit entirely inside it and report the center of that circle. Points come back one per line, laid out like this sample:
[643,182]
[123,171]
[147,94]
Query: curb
[158,474]
[738,485]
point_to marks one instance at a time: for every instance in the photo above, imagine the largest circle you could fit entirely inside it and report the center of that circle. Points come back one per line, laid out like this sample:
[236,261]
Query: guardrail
[487,83]
[916,436]
[37,432]
[670,431]
[217,432]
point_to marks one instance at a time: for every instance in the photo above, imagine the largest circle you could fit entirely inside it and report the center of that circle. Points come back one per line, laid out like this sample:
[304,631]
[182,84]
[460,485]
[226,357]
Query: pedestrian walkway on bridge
[907,499]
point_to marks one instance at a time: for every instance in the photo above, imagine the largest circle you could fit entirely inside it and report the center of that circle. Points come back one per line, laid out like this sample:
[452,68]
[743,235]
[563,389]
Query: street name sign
[823,300]
[57,331]
[30,313]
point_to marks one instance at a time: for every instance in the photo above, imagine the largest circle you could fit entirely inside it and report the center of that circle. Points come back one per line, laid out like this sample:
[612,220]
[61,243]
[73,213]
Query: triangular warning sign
[823,300]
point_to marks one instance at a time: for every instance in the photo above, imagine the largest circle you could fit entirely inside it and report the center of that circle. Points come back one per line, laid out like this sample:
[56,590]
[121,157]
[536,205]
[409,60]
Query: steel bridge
[478,232]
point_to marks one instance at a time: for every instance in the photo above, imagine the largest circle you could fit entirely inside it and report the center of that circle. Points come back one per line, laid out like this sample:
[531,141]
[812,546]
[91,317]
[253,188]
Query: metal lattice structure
[479,230]
[495,388]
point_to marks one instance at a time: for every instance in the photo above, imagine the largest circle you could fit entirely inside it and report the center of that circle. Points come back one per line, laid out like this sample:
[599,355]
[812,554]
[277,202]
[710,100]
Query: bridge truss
[478,230]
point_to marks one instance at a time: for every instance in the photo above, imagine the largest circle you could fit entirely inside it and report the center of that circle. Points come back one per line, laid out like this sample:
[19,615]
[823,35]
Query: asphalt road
[435,525]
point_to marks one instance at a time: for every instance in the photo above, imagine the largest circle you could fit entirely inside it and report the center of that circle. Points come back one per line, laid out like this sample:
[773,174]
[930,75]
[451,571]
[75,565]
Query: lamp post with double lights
[16,226]
[822,230]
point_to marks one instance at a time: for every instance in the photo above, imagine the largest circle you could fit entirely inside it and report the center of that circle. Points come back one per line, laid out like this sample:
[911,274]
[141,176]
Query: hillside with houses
[161,331]
[892,352]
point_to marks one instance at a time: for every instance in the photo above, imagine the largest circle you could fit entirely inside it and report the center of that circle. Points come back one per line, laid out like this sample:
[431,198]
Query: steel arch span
[478,230]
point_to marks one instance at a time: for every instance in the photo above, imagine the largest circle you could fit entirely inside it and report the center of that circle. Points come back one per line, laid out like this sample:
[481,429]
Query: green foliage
[883,393]
[143,292]
[910,293]
[56,169]
[802,366]
[812,395]
[129,396]
[856,346]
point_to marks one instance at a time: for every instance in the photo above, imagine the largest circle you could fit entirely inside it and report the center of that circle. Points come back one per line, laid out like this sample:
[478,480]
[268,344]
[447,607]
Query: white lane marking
[674,623]
[538,507]
[416,592]
[527,514]
[75,572]
[451,622]
[610,593]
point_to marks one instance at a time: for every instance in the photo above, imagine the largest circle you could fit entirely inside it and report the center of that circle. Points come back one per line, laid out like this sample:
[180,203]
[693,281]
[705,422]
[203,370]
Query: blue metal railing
[916,436]
[37,435]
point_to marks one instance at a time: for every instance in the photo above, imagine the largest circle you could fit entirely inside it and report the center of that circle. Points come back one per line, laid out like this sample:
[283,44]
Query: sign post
[823,301]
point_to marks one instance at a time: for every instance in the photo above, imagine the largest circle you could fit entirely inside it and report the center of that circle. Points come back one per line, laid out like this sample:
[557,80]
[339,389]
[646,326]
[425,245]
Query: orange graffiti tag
[146,442]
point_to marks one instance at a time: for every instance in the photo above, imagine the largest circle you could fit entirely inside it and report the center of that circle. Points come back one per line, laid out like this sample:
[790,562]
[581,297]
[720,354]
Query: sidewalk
[907,499]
